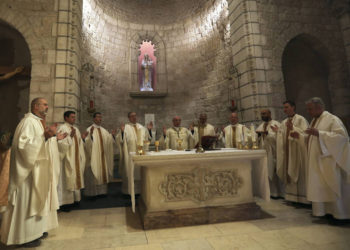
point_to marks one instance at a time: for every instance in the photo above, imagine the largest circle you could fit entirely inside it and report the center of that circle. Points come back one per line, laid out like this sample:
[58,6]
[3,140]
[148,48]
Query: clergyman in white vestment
[291,155]
[176,137]
[132,134]
[72,153]
[267,141]
[99,158]
[328,161]
[202,129]
[34,171]
[235,134]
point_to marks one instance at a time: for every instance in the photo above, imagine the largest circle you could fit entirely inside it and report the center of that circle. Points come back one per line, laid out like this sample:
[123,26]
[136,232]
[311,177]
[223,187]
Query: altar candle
[139,141]
[91,104]
[252,129]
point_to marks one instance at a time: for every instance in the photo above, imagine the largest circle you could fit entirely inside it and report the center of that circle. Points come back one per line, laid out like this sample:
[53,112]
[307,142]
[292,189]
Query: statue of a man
[147,68]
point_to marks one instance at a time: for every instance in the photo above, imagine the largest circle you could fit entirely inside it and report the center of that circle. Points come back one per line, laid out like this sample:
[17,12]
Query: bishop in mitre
[291,155]
[99,157]
[132,136]
[328,162]
[202,129]
[235,134]
[177,137]
[267,141]
[72,153]
[34,172]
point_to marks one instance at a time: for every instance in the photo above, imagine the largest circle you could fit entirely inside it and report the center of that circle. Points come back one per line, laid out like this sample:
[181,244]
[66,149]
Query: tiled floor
[118,228]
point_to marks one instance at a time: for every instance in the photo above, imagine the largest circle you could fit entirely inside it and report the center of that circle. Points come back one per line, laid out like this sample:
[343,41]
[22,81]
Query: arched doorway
[305,67]
[14,91]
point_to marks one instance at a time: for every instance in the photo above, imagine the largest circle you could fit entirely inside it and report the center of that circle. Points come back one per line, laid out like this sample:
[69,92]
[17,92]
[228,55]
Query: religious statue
[147,68]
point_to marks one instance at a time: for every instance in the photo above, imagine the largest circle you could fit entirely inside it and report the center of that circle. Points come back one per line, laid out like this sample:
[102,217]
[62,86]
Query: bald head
[39,107]
[234,118]
[34,102]
[265,115]
[176,121]
[203,118]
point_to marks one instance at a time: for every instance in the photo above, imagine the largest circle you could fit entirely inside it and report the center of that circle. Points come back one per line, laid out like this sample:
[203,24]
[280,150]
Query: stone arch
[22,25]
[14,92]
[160,53]
[305,67]
[338,75]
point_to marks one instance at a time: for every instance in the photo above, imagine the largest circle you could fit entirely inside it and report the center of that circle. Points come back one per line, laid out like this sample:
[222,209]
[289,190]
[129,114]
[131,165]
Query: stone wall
[251,88]
[52,30]
[36,21]
[68,58]
[201,45]
[197,55]
[14,92]
[261,30]
[280,22]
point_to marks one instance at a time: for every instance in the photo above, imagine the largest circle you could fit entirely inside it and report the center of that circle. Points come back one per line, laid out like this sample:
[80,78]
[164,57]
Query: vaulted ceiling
[153,11]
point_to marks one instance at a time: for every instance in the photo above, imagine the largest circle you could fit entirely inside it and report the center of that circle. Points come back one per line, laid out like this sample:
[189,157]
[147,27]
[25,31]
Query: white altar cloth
[260,180]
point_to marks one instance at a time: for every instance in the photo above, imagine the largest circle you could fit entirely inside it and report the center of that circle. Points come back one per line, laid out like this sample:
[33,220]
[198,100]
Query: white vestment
[242,135]
[208,130]
[291,160]
[134,134]
[34,173]
[328,176]
[72,165]
[176,136]
[99,161]
[268,142]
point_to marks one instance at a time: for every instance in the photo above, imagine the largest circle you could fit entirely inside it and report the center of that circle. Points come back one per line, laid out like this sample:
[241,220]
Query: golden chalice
[156,143]
[179,143]
[140,150]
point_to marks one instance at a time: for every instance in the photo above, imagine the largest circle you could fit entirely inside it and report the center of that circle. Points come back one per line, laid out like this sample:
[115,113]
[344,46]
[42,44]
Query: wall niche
[149,47]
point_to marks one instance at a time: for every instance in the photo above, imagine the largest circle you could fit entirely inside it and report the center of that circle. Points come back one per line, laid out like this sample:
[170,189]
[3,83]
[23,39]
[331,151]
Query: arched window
[147,67]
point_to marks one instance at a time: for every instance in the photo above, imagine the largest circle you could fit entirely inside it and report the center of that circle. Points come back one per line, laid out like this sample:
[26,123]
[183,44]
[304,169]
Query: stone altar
[184,188]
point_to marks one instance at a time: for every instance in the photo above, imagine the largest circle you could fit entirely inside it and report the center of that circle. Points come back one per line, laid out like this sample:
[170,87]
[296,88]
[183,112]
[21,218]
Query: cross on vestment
[312,126]
[233,136]
[265,129]
[104,176]
[287,147]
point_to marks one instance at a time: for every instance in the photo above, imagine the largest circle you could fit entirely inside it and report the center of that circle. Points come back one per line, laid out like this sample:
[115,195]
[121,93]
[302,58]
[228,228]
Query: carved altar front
[184,188]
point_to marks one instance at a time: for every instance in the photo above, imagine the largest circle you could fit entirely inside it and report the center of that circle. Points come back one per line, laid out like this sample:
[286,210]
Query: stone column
[247,42]
[341,9]
[67,79]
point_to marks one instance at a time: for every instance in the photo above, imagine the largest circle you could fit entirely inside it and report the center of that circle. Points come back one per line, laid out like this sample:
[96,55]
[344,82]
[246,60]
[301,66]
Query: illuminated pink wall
[148,48]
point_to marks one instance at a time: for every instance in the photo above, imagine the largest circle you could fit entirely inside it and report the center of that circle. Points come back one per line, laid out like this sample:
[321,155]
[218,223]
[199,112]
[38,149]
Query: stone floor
[117,228]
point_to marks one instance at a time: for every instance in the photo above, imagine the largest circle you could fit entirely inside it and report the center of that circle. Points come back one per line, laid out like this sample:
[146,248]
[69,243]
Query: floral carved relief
[201,185]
